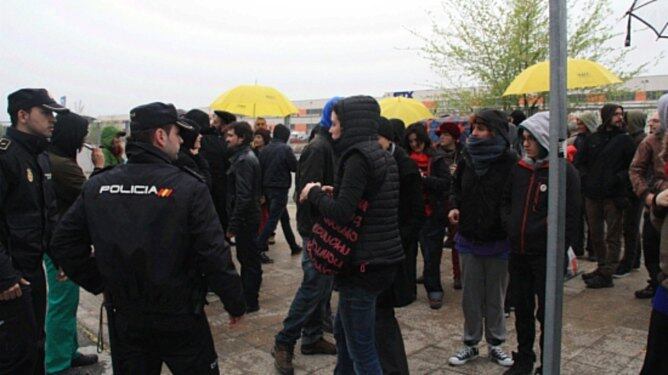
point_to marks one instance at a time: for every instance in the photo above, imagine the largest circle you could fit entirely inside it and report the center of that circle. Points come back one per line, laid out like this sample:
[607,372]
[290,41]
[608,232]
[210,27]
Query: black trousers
[248,255]
[390,343]
[527,275]
[631,229]
[651,241]
[656,358]
[140,344]
[22,329]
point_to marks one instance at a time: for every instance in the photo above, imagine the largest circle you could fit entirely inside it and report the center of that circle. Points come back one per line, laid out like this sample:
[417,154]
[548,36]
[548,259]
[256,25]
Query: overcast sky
[113,55]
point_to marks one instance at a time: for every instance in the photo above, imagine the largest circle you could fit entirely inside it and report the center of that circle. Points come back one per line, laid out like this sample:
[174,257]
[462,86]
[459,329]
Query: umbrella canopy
[406,109]
[254,101]
[581,73]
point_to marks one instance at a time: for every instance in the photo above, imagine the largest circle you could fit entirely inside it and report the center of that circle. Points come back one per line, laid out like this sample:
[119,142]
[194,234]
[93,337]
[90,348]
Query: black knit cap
[385,129]
[495,120]
[281,132]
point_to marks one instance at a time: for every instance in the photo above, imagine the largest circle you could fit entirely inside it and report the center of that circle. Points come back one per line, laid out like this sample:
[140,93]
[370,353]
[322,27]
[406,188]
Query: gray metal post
[554,290]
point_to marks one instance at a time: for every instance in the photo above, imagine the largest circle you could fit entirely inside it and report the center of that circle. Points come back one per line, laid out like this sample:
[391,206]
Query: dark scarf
[484,152]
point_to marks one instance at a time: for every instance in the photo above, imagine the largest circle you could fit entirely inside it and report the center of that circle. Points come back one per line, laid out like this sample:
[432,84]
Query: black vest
[379,242]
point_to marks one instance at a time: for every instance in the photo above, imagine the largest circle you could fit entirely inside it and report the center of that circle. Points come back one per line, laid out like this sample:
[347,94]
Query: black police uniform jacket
[28,210]
[156,238]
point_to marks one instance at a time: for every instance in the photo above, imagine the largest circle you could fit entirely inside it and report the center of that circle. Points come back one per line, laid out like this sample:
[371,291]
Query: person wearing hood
[365,172]
[481,239]
[309,312]
[399,129]
[603,162]
[647,174]
[436,180]
[189,153]
[214,151]
[244,187]
[403,291]
[514,120]
[524,213]
[635,124]
[112,145]
[278,162]
[61,344]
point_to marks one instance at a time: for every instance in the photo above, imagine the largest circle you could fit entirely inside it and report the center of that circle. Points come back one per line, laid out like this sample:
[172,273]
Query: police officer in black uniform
[28,213]
[158,245]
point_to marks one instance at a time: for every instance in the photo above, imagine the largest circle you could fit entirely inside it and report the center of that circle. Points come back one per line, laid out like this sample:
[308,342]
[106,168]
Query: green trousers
[61,321]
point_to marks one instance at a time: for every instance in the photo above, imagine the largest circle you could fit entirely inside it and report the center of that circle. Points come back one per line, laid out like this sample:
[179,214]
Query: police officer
[158,245]
[27,216]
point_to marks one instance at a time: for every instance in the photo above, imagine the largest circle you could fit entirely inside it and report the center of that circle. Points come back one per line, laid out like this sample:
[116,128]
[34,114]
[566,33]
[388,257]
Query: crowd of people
[151,229]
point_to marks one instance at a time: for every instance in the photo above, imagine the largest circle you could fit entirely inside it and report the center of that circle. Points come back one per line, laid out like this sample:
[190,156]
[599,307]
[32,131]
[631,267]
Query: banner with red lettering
[330,247]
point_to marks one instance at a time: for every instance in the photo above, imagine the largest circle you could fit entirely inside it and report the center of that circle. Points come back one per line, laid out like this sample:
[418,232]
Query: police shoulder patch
[193,173]
[4,143]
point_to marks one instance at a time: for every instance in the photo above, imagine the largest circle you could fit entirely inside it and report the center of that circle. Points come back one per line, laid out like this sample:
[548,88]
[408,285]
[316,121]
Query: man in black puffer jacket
[278,161]
[603,163]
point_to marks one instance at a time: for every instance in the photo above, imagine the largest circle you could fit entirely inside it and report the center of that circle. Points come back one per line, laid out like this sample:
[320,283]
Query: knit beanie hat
[450,128]
[385,129]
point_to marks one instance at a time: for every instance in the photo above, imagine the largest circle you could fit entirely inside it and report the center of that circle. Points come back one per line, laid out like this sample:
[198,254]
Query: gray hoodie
[539,126]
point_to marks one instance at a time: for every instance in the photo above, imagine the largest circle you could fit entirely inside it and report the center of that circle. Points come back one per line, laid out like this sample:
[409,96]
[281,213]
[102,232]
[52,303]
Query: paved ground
[604,331]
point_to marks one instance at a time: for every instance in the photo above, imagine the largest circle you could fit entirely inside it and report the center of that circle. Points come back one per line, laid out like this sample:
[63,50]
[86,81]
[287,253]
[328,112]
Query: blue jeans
[277,199]
[354,330]
[431,241]
[305,317]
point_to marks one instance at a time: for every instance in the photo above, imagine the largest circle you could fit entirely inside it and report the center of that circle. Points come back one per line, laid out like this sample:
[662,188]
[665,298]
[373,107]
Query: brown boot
[283,359]
[321,346]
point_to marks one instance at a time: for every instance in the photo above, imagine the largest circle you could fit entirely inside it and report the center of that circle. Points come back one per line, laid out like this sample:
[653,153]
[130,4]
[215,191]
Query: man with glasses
[603,163]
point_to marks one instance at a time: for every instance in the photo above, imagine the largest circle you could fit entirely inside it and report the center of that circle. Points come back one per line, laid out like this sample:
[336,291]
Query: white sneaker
[466,354]
[496,354]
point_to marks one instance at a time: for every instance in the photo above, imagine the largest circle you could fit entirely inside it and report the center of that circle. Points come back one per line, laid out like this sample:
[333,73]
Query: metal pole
[554,289]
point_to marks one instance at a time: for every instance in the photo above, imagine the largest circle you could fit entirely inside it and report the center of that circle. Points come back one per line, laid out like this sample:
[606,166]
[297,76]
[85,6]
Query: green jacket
[106,142]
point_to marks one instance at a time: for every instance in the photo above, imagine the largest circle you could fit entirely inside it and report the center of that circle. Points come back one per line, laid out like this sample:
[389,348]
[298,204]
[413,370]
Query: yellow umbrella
[254,101]
[581,73]
[406,109]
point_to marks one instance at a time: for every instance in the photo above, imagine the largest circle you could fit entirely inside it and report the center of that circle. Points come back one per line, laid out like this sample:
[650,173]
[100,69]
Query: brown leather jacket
[646,170]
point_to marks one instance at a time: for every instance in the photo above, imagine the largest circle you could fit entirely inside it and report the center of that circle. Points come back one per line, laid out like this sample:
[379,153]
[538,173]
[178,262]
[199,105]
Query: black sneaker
[622,271]
[420,280]
[81,360]
[522,365]
[599,282]
[296,250]
[646,293]
[466,354]
[589,275]
[264,258]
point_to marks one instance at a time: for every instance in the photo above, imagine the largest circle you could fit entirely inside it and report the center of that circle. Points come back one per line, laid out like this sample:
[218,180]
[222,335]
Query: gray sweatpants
[484,281]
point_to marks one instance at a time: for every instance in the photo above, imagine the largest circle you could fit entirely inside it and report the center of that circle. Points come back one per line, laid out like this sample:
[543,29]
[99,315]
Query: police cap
[28,98]
[154,115]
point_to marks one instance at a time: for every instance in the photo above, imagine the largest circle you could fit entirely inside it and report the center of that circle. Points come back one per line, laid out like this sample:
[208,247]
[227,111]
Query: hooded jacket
[365,170]
[604,160]
[525,196]
[157,242]
[635,125]
[106,144]
[68,177]
[278,161]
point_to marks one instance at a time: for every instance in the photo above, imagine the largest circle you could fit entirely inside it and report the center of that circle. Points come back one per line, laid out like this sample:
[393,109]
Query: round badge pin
[543,188]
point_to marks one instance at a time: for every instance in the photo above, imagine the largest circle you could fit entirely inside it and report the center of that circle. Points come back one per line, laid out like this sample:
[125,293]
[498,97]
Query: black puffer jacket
[479,198]
[604,162]
[524,209]
[365,171]
[316,164]
[243,189]
[278,161]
